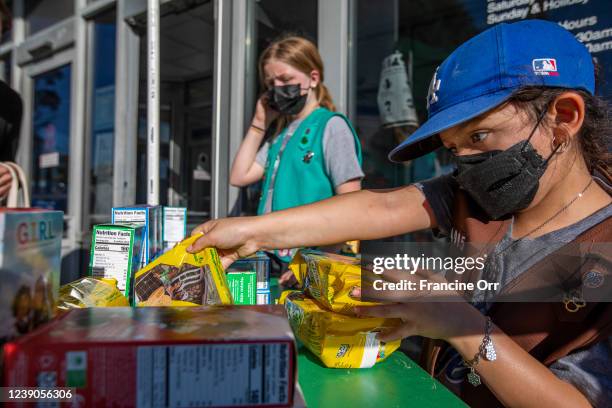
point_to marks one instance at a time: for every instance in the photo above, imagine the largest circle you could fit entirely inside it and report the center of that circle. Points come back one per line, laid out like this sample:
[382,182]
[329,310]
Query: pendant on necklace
[490,353]
[473,378]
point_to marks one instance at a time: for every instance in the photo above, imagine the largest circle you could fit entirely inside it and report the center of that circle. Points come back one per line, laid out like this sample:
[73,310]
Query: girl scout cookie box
[30,260]
[115,253]
[179,278]
[174,226]
[233,356]
[150,217]
[240,277]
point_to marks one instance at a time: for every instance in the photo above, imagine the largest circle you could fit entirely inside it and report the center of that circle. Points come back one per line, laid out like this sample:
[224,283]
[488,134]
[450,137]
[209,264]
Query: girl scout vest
[301,177]
[547,330]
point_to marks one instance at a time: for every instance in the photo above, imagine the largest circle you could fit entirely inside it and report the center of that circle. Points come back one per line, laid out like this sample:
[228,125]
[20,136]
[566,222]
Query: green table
[396,382]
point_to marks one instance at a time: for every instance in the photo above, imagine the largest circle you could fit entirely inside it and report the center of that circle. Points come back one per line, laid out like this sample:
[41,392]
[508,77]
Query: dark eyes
[479,136]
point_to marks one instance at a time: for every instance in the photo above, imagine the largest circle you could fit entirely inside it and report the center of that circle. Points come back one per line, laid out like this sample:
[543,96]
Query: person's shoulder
[337,121]
[338,124]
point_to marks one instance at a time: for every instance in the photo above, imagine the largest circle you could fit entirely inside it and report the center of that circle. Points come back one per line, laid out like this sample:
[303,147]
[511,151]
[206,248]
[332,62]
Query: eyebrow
[474,122]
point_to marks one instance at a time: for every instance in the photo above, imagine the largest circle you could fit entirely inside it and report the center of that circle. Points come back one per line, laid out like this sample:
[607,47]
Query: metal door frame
[336,42]
[73,214]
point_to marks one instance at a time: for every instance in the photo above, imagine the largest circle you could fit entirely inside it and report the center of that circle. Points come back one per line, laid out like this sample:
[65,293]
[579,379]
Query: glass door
[51,138]
[268,20]
[187,31]
[49,148]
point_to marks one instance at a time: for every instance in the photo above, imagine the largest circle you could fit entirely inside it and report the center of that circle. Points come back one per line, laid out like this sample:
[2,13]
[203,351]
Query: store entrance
[186,67]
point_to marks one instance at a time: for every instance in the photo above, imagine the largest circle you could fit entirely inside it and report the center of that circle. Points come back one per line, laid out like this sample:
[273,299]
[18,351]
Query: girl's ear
[567,111]
[315,78]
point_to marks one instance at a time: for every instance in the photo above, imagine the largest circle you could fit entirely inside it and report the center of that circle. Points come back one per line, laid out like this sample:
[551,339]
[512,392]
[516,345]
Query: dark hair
[594,137]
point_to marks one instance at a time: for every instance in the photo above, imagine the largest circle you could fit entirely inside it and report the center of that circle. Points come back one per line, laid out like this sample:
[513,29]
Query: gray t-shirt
[340,155]
[589,370]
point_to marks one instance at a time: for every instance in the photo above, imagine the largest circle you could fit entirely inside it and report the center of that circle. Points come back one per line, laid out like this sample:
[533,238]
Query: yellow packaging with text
[333,280]
[339,341]
[90,292]
[179,278]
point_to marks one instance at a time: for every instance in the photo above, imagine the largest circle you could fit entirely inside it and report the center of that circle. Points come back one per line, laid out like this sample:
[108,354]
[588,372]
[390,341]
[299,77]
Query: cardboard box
[179,276]
[259,263]
[243,286]
[148,216]
[115,253]
[174,226]
[230,356]
[30,262]
[263,297]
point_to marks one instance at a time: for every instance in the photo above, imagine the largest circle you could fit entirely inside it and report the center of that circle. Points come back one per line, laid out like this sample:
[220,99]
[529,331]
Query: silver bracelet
[486,350]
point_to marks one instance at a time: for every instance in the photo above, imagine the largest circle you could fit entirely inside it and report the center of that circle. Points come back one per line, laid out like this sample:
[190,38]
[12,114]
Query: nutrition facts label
[138,217]
[174,224]
[229,375]
[111,255]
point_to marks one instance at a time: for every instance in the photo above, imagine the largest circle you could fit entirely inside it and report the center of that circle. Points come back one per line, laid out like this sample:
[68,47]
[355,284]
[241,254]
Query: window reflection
[103,114]
[51,141]
[186,90]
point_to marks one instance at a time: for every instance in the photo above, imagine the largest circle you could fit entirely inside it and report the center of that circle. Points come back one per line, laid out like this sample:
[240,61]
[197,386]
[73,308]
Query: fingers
[285,277]
[5,178]
[5,182]
[397,333]
[204,241]
[203,228]
[287,280]
[228,260]
[388,311]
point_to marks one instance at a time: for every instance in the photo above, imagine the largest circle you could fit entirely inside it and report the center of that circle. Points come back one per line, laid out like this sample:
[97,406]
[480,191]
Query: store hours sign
[589,20]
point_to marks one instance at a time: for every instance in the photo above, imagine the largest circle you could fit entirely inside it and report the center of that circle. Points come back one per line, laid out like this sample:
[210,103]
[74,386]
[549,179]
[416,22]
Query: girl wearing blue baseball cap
[516,105]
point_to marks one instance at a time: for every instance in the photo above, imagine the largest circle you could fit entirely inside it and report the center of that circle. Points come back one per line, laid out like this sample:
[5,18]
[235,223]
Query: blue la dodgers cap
[486,70]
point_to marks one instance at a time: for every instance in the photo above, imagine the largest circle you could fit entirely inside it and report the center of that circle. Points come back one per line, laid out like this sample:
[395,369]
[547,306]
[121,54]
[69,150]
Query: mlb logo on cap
[545,66]
[488,69]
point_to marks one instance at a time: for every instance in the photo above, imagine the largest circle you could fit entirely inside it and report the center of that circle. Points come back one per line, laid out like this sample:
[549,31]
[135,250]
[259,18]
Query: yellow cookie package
[333,280]
[339,341]
[179,278]
[90,292]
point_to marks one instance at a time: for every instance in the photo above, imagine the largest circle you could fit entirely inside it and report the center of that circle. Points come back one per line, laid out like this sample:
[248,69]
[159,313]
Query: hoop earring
[560,148]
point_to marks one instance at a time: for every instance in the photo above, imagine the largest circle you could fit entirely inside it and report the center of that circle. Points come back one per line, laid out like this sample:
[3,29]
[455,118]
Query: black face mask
[287,99]
[503,182]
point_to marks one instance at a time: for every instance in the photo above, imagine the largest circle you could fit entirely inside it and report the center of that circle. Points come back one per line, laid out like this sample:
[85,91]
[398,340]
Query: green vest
[301,177]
